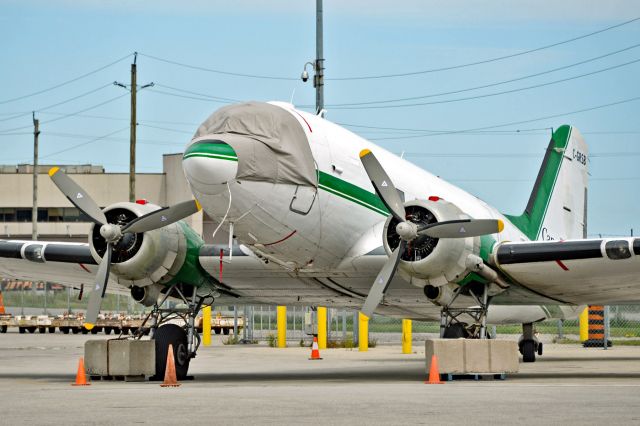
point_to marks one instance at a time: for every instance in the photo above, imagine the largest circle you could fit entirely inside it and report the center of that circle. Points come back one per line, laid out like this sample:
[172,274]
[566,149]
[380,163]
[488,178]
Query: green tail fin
[557,206]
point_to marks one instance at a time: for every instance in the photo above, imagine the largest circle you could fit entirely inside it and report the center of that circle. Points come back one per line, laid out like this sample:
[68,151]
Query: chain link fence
[31,298]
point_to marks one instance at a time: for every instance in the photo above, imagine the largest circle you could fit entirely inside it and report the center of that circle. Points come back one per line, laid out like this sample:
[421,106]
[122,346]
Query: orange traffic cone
[170,379]
[434,374]
[315,352]
[81,376]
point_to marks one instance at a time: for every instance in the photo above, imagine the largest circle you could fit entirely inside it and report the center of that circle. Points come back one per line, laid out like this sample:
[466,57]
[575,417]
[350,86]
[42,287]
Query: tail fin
[557,208]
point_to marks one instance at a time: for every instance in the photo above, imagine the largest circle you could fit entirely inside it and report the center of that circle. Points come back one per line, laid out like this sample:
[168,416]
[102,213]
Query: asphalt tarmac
[255,384]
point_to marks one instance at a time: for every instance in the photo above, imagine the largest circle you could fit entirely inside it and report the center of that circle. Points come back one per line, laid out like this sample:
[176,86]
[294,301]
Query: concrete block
[450,353]
[476,356]
[467,356]
[95,358]
[120,357]
[132,357]
[504,356]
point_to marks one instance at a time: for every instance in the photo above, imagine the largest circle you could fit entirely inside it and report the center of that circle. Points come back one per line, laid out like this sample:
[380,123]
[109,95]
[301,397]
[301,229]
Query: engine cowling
[427,260]
[143,259]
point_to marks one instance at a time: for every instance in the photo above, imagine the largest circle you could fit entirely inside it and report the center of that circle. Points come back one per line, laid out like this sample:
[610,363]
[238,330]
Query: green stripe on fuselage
[211,149]
[352,193]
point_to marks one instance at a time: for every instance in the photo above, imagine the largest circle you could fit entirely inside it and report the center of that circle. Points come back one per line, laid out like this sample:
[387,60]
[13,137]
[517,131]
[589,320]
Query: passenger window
[618,249]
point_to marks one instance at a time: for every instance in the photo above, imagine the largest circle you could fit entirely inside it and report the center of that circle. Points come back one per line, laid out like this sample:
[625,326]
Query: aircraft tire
[455,331]
[528,351]
[171,334]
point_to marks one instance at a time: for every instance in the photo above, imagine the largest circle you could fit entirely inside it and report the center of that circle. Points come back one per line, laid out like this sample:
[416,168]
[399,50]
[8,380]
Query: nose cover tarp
[270,143]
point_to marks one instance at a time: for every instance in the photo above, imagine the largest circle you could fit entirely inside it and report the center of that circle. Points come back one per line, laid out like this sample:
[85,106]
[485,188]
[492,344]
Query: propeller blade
[462,228]
[95,299]
[385,188]
[380,285]
[163,217]
[77,195]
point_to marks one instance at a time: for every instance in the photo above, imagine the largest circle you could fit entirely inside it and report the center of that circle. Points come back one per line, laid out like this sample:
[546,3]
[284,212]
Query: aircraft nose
[208,164]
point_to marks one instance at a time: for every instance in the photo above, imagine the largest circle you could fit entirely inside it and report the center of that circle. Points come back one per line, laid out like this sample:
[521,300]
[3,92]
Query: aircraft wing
[592,271]
[69,264]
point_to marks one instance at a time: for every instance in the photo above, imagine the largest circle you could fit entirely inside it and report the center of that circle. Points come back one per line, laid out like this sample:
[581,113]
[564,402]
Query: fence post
[606,327]
[235,321]
[560,329]
[355,329]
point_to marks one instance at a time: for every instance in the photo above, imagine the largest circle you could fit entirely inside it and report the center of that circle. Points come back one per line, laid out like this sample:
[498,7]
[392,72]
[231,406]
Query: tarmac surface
[255,384]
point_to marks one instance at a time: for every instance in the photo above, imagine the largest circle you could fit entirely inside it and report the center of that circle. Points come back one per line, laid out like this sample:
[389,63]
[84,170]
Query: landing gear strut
[184,339]
[452,327]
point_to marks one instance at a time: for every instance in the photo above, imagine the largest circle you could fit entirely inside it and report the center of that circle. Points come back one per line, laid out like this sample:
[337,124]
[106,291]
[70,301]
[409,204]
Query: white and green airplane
[322,217]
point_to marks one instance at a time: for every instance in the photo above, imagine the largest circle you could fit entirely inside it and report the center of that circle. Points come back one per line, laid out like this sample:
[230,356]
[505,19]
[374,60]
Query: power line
[81,136]
[485,86]
[203,97]
[485,61]
[85,143]
[68,115]
[404,74]
[58,103]
[177,89]
[509,180]
[515,123]
[487,95]
[166,129]
[501,155]
[217,71]
[65,82]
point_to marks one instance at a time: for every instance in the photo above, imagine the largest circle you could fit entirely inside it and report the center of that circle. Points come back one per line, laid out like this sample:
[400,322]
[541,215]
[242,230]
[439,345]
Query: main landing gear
[528,344]
[176,327]
[452,325]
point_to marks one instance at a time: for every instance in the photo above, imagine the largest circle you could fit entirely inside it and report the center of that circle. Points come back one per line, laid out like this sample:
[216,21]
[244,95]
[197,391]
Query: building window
[23,215]
[45,214]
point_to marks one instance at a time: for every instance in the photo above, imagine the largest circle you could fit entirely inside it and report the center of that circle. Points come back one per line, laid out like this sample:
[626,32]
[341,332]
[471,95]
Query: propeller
[408,230]
[112,233]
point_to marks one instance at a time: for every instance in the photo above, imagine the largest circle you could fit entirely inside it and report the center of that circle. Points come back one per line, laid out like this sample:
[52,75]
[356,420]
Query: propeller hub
[110,232]
[407,230]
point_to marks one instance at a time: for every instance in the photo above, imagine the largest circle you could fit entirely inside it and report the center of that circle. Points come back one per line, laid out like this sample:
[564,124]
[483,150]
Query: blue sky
[45,43]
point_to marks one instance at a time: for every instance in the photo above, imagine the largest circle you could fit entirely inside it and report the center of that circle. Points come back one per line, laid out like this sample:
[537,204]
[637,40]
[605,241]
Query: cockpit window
[618,249]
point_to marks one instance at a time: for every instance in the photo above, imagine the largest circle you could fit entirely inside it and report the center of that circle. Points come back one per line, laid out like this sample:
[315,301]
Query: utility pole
[34,210]
[318,79]
[318,64]
[132,132]
[133,88]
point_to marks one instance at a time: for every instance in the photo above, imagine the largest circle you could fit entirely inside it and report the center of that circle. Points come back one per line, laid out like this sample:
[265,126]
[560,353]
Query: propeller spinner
[112,233]
[408,231]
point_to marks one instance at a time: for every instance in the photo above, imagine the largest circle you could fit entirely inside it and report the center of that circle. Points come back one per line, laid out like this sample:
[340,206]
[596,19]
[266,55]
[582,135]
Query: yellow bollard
[206,325]
[322,327]
[282,326]
[406,336]
[363,332]
[584,324]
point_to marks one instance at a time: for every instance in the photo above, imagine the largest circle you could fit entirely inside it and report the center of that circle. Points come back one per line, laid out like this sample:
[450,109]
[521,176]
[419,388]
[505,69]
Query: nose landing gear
[175,327]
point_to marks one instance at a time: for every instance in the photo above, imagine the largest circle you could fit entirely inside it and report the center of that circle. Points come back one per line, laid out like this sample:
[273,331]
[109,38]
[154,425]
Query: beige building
[59,220]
